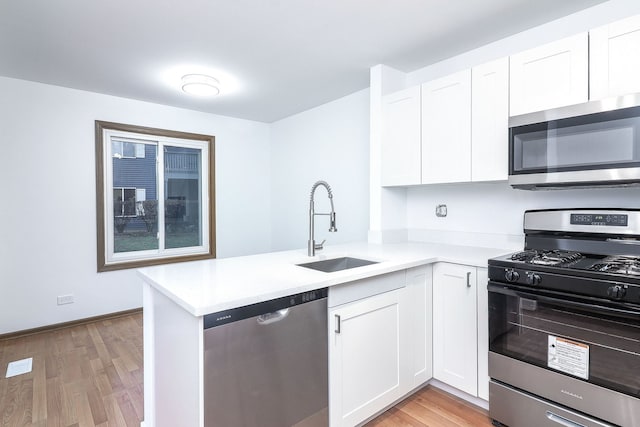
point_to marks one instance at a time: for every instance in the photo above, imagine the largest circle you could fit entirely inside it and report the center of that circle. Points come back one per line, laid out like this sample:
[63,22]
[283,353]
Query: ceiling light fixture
[200,84]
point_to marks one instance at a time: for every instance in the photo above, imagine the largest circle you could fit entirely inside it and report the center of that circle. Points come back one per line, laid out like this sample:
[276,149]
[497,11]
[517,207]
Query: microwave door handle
[591,307]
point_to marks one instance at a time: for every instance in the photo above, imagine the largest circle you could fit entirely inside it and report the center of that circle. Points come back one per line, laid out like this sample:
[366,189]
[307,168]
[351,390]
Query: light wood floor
[84,375]
[91,375]
[432,407]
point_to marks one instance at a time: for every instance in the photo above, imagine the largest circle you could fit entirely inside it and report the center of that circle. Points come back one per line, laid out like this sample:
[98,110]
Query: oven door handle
[591,306]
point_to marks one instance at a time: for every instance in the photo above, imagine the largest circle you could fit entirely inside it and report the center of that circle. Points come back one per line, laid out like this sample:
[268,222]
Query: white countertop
[203,287]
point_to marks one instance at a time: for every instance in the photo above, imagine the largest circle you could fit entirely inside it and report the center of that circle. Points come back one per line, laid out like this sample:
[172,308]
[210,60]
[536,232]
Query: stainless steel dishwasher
[266,364]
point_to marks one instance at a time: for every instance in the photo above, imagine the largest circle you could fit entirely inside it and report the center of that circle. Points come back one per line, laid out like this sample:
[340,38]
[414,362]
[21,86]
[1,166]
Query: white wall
[48,207]
[496,208]
[330,143]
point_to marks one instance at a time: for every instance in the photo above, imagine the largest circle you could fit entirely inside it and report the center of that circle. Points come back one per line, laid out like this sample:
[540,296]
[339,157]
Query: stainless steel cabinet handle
[468,279]
[337,329]
[562,420]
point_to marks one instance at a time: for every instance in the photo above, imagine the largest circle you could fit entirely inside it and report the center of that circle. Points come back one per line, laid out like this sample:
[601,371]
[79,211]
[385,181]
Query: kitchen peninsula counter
[176,297]
[203,287]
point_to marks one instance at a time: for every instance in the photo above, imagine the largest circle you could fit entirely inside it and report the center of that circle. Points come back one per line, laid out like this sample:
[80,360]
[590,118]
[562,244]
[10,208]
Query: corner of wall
[387,207]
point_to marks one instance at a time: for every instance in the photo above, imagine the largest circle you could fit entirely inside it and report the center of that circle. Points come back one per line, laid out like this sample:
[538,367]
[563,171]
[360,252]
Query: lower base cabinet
[483,334]
[379,348]
[364,353]
[460,328]
[419,294]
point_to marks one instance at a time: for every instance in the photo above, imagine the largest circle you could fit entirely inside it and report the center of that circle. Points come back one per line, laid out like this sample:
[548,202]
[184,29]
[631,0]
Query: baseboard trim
[477,401]
[49,328]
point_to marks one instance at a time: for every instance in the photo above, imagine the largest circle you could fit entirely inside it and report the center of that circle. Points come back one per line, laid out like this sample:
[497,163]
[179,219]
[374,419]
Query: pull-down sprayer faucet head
[332,223]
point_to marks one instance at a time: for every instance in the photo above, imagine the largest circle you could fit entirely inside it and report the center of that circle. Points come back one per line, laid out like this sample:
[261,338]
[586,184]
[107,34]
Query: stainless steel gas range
[564,322]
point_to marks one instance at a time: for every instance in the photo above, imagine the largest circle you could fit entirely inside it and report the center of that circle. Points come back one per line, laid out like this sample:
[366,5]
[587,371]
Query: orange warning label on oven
[568,356]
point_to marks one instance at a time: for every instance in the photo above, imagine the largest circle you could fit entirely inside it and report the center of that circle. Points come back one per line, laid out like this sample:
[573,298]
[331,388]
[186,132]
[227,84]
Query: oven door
[582,353]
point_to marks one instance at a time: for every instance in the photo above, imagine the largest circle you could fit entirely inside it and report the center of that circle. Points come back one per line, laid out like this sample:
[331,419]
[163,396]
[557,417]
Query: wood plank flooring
[91,375]
[83,375]
[432,407]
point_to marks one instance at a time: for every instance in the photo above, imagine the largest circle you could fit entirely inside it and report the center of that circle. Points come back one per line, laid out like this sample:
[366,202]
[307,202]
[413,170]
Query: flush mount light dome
[200,84]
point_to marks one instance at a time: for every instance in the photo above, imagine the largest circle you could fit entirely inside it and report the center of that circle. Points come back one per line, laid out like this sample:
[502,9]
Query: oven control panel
[619,220]
[606,289]
[530,278]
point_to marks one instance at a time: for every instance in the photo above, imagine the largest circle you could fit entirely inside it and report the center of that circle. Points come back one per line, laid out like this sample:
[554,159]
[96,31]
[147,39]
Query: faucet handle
[318,246]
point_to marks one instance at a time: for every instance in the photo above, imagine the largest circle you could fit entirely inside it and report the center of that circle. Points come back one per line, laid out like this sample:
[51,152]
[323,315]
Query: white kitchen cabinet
[549,76]
[419,308]
[455,332]
[615,59]
[401,161]
[365,357]
[490,121]
[483,333]
[446,129]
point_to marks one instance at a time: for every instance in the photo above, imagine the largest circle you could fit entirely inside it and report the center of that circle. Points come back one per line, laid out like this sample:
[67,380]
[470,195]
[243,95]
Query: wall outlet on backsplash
[441,210]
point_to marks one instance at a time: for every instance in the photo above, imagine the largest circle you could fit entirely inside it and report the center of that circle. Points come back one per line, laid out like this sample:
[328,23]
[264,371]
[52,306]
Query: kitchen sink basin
[337,264]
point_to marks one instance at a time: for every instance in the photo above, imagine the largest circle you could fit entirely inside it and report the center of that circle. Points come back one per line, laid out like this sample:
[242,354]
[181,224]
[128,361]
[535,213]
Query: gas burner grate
[618,264]
[524,255]
[540,257]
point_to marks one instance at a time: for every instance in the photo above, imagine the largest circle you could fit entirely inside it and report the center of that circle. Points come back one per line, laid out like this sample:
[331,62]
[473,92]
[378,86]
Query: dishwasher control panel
[259,309]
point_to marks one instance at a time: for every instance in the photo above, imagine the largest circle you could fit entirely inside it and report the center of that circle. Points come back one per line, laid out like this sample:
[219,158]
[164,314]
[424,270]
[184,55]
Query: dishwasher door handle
[276,316]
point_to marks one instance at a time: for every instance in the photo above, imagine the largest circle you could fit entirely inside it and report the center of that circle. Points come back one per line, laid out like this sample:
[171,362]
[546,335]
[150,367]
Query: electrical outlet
[441,210]
[65,299]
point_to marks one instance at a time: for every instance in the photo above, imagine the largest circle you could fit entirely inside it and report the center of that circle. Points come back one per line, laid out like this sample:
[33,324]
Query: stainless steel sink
[337,264]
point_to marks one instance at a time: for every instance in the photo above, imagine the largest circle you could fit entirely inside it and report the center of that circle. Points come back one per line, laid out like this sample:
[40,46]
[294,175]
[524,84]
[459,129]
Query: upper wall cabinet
[615,59]
[446,129]
[401,138]
[490,121]
[549,76]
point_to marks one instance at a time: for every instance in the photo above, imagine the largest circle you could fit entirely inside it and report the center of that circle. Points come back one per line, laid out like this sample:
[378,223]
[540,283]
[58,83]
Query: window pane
[128,149]
[117,202]
[182,197]
[135,221]
[116,149]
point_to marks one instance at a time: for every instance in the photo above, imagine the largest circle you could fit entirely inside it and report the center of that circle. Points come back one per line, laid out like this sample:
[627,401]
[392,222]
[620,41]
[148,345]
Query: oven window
[520,326]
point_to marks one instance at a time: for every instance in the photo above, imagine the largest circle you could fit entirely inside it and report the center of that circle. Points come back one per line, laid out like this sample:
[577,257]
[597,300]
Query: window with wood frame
[155,196]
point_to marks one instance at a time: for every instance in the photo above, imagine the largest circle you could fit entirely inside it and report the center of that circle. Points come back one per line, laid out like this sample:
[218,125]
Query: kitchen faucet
[312,246]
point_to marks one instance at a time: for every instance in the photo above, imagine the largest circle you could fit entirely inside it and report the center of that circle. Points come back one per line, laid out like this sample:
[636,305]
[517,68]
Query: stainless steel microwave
[585,145]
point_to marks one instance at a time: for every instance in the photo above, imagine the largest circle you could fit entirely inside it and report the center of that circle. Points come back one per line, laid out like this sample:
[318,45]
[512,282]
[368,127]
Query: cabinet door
[446,129]
[490,121]
[550,76]
[455,360]
[419,309]
[401,138]
[364,357]
[615,59]
[483,334]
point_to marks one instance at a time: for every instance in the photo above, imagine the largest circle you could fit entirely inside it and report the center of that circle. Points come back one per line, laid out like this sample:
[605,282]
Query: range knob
[533,279]
[511,275]
[616,292]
